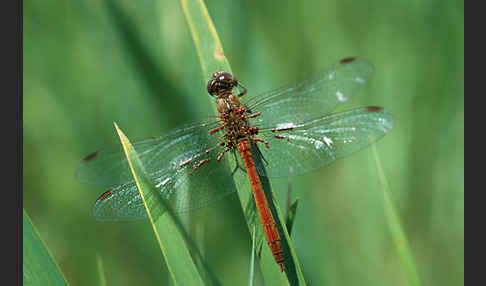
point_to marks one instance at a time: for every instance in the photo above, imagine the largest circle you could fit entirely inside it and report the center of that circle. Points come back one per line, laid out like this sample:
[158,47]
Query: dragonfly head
[221,83]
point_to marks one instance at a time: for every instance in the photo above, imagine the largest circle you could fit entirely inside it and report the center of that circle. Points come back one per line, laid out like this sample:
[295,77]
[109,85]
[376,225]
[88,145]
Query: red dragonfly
[286,128]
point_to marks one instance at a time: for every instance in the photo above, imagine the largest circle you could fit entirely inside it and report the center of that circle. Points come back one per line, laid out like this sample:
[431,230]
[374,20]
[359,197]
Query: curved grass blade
[39,267]
[398,235]
[174,242]
[212,58]
[206,40]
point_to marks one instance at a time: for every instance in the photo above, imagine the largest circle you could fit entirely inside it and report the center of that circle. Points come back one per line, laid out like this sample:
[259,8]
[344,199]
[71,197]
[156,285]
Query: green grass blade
[39,267]
[289,222]
[252,259]
[101,270]
[398,235]
[211,56]
[293,271]
[206,40]
[174,242]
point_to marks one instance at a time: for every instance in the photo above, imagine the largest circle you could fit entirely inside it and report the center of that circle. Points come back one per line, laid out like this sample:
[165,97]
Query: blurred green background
[90,63]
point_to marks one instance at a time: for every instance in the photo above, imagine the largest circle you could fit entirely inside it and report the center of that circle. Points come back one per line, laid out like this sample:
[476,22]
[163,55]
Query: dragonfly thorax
[234,120]
[228,103]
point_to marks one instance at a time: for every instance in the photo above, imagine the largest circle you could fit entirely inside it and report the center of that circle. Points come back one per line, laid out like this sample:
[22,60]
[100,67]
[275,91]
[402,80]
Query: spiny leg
[255,140]
[227,149]
[237,164]
[281,137]
[255,115]
[244,90]
[217,129]
[200,164]
[248,110]
[220,156]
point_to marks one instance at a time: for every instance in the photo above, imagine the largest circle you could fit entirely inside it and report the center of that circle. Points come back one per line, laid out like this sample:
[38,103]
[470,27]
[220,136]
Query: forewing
[110,167]
[318,94]
[170,162]
[320,141]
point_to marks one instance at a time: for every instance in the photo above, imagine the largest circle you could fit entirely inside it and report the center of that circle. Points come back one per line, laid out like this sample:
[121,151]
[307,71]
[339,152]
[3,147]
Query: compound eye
[225,76]
[210,87]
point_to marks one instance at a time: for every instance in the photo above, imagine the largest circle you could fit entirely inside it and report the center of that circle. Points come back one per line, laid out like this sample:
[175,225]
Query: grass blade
[101,270]
[252,259]
[397,232]
[212,58]
[174,242]
[293,272]
[39,267]
[291,215]
[206,40]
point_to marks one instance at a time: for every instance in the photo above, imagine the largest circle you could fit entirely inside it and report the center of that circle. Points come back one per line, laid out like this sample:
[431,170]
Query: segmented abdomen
[266,218]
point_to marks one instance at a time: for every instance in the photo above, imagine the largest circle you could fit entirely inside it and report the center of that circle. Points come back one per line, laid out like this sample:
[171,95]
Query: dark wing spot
[104,195]
[285,129]
[374,108]
[347,60]
[90,156]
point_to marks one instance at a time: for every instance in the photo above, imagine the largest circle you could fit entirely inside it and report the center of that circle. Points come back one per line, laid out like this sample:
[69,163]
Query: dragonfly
[291,127]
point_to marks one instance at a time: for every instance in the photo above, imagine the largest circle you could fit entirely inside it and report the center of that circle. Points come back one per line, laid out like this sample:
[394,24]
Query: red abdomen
[266,218]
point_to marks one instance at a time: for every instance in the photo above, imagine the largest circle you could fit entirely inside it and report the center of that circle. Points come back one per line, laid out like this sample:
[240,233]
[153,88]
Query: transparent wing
[122,203]
[318,94]
[109,167]
[321,141]
[168,160]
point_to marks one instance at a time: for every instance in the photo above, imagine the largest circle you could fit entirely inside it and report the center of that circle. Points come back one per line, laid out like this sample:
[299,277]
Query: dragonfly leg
[198,165]
[248,110]
[217,129]
[243,92]
[237,164]
[220,156]
[281,137]
[255,115]
[255,140]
